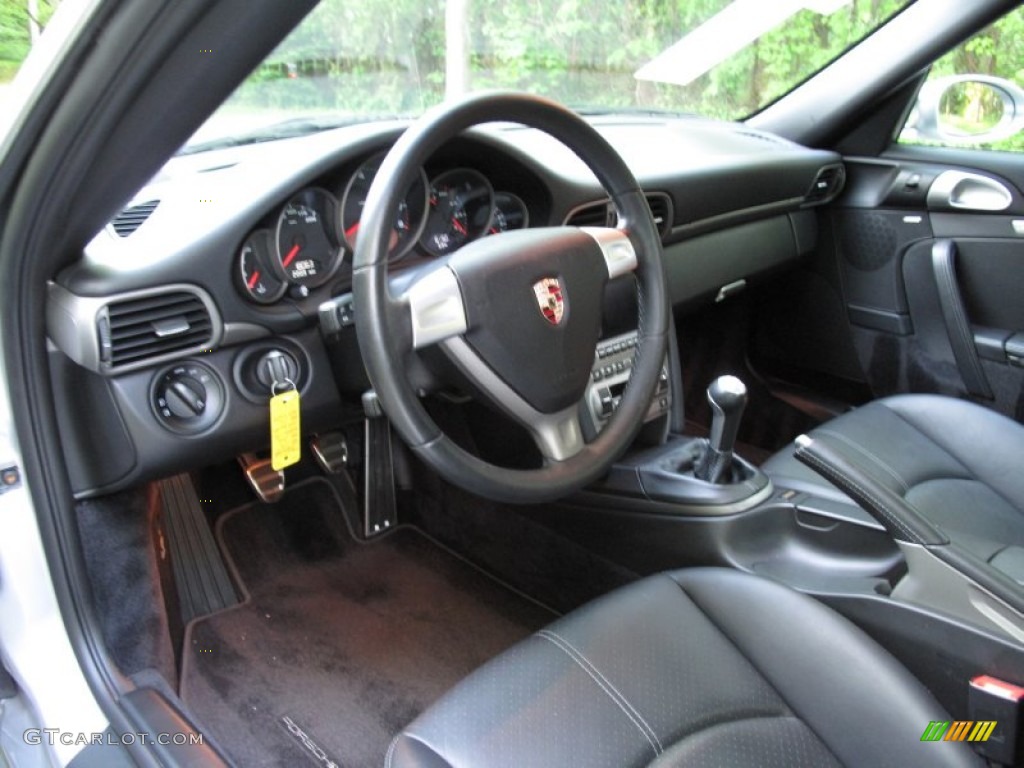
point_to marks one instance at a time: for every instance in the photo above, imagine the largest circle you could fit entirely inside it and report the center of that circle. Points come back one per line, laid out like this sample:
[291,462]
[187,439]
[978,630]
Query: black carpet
[340,643]
[118,534]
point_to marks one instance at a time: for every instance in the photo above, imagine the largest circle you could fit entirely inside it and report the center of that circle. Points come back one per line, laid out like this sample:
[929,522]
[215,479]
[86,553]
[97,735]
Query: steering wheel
[518,313]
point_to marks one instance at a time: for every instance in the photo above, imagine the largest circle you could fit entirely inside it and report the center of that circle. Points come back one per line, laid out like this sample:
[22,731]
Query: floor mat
[340,644]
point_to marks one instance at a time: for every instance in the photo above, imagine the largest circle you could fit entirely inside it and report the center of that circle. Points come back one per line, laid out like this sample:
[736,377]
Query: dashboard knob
[185,396]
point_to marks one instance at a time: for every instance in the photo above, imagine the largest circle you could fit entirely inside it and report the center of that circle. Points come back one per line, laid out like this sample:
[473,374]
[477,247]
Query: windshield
[352,61]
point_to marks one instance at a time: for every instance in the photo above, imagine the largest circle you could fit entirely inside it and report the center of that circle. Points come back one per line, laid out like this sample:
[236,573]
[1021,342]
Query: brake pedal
[330,451]
[267,482]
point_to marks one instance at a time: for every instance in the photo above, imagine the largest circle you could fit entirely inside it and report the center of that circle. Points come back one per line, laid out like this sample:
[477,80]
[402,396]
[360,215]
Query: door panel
[933,279]
[884,253]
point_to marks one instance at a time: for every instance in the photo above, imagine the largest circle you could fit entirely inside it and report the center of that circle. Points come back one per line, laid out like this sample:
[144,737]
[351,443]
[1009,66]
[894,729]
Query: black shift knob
[727,397]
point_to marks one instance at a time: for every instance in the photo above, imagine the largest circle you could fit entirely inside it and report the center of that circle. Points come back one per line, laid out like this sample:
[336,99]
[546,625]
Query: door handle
[964,191]
[954,314]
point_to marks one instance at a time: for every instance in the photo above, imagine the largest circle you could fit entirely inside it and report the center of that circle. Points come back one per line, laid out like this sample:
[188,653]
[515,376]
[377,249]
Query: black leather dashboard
[731,203]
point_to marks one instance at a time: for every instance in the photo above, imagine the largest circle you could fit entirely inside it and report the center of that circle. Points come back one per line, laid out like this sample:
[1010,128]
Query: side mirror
[966,109]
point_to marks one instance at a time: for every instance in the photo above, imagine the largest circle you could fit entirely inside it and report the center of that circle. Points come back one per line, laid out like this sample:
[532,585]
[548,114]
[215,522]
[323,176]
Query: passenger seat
[959,464]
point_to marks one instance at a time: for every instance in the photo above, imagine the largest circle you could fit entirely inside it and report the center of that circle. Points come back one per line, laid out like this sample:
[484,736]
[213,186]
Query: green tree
[997,50]
[389,55]
[16,18]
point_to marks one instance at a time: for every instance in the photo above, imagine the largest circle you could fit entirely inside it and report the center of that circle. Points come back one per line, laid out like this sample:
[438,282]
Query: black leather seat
[955,462]
[703,667]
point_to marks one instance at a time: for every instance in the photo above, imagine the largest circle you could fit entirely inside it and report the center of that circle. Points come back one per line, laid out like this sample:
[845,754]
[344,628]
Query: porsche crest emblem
[550,299]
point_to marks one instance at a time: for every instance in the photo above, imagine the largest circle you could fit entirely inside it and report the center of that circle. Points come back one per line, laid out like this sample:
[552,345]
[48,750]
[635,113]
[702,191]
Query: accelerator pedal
[379,507]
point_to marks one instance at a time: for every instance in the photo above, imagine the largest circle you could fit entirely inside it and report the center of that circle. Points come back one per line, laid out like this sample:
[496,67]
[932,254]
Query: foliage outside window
[997,51]
[401,56]
[21,22]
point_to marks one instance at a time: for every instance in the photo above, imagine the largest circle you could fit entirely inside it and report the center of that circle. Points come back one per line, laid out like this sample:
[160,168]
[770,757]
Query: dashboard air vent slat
[156,325]
[827,184]
[661,210]
[133,217]
[592,215]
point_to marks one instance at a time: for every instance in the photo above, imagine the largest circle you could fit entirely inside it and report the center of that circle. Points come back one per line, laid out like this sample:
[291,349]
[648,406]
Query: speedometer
[461,204]
[308,250]
[409,217]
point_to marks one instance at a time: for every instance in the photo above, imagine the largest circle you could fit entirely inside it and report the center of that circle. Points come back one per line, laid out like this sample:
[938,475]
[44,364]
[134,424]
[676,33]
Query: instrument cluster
[312,234]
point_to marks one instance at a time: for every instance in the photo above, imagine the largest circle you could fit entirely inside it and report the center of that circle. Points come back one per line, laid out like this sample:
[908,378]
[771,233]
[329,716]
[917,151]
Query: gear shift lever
[727,396]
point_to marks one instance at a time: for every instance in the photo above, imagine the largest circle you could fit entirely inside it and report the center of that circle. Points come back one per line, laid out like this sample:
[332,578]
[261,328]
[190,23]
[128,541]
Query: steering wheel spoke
[617,249]
[558,435]
[437,310]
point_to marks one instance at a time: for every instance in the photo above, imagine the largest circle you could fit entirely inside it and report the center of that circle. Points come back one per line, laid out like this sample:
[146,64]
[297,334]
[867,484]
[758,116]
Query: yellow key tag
[285,432]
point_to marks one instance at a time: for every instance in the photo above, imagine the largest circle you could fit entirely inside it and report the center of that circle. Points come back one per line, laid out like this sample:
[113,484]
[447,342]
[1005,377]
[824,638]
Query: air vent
[138,329]
[827,184]
[130,219]
[661,210]
[592,215]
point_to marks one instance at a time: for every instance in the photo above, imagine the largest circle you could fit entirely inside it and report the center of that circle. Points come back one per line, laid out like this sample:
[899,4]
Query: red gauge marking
[290,256]
[351,231]
[494,230]
[459,226]
[254,279]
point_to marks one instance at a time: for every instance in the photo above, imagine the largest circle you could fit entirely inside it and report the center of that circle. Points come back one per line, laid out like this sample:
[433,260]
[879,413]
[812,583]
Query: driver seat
[702,667]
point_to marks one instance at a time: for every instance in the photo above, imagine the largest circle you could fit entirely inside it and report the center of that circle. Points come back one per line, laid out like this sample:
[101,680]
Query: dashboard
[235,262]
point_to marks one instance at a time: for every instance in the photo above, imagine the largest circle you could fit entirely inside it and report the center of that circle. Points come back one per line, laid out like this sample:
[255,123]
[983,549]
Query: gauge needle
[459,226]
[254,279]
[351,231]
[290,256]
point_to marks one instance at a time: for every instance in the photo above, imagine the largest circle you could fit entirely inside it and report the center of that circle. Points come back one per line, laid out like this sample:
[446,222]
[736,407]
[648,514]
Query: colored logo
[550,300]
[959,730]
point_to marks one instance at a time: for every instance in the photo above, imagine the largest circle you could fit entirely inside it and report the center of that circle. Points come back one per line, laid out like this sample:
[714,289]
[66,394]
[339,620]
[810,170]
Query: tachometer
[257,280]
[461,203]
[409,218]
[308,249]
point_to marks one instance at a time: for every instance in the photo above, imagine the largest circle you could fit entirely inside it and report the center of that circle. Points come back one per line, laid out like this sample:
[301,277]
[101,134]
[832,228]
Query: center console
[689,476]
[613,365]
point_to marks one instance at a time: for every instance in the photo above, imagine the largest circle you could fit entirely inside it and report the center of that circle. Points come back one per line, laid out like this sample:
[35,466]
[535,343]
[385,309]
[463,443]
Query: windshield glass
[352,61]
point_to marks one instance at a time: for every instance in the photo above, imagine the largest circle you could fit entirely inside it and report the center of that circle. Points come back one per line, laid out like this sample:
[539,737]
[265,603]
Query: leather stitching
[839,478]
[867,454]
[605,685]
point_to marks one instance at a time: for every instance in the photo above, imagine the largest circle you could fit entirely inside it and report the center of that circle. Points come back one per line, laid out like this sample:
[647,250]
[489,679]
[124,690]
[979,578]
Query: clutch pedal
[267,482]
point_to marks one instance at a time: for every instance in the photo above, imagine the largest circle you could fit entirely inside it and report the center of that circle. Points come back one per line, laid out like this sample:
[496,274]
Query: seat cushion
[957,463]
[702,667]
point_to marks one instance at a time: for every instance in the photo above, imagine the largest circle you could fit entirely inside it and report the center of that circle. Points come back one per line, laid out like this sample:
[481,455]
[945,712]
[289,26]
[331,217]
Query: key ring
[273,386]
